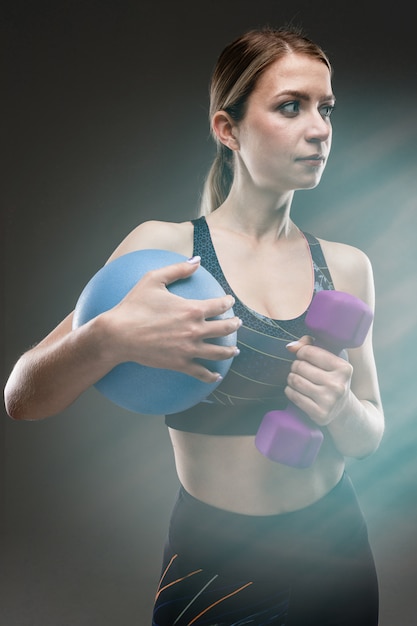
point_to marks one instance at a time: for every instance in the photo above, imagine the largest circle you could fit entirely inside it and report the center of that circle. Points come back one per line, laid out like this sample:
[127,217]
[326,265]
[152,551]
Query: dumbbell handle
[336,320]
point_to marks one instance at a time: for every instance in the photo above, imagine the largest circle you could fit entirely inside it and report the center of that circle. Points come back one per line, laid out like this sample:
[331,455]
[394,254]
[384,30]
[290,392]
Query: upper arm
[152,234]
[351,271]
[175,237]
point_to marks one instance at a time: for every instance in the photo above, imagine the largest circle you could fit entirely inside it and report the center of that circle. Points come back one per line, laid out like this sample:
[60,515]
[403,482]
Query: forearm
[49,377]
[358,429]
[150,326]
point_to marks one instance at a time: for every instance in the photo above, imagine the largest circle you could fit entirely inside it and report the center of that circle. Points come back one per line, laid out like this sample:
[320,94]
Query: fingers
[197,370]
[211,307]
[201,367]
[216,352]
[176,271]
[318,382]
[221,328]
[158,328]
[294,346]
[314,366]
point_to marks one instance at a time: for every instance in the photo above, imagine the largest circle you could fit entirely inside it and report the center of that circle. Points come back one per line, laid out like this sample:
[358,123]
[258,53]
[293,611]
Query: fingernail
[219,378]
[194,260]
[292,343]
[237,351]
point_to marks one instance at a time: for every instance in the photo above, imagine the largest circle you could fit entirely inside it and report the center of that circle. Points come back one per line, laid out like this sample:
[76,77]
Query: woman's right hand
[157,328]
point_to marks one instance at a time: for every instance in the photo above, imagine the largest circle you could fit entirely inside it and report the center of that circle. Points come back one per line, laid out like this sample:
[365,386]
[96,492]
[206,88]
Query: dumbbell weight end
[287,437]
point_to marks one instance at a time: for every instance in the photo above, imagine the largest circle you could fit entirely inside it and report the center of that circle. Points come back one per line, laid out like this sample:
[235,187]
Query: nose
[319,128]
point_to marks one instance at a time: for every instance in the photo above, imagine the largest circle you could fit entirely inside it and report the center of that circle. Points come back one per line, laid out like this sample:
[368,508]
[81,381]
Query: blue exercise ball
[136,387]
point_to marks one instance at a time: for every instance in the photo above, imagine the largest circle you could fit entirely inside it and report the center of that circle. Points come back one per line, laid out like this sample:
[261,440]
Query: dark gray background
[105,125]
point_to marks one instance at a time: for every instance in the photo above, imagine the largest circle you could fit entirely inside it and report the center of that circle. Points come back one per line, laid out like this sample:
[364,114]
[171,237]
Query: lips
[312,161]
[312,157]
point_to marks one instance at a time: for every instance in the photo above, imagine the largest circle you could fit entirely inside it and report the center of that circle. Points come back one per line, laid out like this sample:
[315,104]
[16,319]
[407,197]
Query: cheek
[329,142]
[266,141]
[266,146]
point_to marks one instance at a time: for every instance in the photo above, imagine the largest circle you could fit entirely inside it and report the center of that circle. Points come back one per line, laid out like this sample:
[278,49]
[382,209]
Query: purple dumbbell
[336,320]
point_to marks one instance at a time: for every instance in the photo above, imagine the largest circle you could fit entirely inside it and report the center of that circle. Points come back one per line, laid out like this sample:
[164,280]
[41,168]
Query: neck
[258,215]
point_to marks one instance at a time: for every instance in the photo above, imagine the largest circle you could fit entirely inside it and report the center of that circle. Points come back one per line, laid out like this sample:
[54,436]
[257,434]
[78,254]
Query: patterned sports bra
[256,380]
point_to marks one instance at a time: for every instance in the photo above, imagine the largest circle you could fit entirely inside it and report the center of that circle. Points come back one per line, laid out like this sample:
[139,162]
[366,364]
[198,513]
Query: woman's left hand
[319,381]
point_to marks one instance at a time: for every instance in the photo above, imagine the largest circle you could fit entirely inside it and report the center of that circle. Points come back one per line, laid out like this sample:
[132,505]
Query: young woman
[250,541]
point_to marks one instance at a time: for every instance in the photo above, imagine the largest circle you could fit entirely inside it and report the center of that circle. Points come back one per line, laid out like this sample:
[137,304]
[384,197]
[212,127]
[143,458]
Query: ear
[225,129]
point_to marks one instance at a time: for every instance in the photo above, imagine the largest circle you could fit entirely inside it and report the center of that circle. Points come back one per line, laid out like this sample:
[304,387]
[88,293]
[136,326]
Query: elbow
[378,431]
[373,445]
[29,407]
[18,395]
[13,411]
[369,434]
[15,404]
[14,408]
[369,446]
[20,413]
[12,397]
[365,453]
[363,445]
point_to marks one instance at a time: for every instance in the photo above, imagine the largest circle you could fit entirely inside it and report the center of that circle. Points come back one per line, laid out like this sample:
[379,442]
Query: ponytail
[219,180]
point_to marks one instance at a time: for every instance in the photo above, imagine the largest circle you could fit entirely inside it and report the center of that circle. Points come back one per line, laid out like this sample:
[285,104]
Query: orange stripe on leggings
[165,572]
[178,580]
[218,602]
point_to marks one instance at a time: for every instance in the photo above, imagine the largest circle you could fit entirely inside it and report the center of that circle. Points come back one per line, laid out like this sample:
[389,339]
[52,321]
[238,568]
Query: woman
[251,541]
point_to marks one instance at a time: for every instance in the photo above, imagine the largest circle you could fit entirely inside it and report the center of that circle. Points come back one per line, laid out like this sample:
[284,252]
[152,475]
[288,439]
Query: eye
[290,108]
[326,110]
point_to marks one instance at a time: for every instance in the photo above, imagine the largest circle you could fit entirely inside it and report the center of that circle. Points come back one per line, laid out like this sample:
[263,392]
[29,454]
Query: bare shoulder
[173,236]
[350,268]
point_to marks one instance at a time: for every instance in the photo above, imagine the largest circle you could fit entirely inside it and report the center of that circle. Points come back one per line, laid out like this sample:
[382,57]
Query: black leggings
[313,567]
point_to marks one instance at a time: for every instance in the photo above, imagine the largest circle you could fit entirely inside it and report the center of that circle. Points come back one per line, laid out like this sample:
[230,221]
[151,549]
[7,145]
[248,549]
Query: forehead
[295,72]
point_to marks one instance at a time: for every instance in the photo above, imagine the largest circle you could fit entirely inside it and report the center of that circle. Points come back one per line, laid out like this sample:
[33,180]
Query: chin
[311,184]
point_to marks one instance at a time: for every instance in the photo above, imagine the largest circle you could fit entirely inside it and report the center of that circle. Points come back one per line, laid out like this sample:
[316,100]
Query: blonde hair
[234,78]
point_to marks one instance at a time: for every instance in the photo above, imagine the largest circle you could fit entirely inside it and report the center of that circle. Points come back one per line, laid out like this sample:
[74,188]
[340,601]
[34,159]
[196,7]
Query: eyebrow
[301,95]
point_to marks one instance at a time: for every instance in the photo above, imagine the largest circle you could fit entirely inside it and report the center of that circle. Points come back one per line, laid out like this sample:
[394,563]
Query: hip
[333,529]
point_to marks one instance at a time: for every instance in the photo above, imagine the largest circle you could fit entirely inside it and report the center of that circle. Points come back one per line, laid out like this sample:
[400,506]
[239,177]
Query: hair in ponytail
[235,75]
[218,181]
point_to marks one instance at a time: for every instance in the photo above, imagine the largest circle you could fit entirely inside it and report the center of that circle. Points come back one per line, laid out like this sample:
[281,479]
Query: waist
[231,474]
[199,531]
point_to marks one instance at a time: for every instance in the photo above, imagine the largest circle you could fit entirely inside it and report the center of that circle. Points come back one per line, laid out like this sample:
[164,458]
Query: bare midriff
[229,472]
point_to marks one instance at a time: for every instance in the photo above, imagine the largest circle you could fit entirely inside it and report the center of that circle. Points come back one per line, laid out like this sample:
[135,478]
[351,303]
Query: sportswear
[256,380]
[311,567]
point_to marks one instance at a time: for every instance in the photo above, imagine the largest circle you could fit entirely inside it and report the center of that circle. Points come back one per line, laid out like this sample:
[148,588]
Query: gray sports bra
[256,380]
